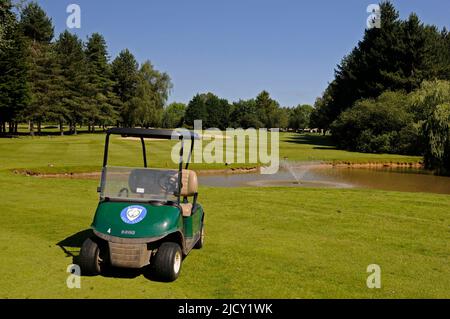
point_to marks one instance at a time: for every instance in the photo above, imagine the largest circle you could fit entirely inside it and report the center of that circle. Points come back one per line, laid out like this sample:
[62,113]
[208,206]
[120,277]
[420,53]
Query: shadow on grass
[129,273]
[51,133]
[122,273]
[74,241]
[319,141]
[71,247]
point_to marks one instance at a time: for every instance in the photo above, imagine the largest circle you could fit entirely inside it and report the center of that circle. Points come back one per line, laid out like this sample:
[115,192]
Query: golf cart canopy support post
[180,171]
[144,152]
[190,152]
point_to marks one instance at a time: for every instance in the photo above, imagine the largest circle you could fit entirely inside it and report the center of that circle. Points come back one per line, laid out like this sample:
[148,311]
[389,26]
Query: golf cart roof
[152,133]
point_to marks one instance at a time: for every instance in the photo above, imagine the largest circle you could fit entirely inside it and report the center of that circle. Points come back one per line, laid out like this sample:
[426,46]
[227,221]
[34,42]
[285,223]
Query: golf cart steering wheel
[168,182]
[123,190]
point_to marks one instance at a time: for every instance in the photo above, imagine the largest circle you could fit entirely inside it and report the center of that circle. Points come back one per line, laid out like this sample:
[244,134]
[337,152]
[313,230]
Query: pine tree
[125,76]
[267,109]
[446,50]
[7,24]
[37,28]
[53,90]
[14,90]
[35,24]
[440,60]
[72,62]
[102,99]
[418,54]
[371,67]
[398,56]
[39,76]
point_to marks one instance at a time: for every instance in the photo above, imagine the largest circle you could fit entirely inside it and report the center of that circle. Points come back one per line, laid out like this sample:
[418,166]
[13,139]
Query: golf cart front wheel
[166,264]
[90,259]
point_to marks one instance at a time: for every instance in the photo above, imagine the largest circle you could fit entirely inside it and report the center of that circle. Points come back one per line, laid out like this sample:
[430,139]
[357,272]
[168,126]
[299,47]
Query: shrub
[382,125]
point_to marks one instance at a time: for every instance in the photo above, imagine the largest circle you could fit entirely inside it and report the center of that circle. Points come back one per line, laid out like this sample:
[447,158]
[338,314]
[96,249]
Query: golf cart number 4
[227,309]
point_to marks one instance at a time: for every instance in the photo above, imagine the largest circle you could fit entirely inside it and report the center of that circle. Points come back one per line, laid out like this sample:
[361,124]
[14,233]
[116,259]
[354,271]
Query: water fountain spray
[297,169]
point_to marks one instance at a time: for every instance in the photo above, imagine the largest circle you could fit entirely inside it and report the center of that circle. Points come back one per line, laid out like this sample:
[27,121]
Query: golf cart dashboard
[150,202]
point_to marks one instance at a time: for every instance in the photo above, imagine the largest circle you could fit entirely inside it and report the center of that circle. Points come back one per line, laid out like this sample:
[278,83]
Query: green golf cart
[146,217]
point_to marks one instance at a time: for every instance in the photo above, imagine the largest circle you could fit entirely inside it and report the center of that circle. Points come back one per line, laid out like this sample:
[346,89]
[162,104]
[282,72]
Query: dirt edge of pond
[231,171]
[96,175]
[375,165]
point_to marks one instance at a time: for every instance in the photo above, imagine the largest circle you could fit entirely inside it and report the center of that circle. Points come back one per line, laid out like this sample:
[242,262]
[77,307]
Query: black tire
[201,240]
[90,260]
[166,264]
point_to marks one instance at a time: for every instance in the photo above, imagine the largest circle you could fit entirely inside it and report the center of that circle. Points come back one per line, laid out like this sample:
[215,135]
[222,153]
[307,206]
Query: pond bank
[391,176]
[95,175]
[234,170]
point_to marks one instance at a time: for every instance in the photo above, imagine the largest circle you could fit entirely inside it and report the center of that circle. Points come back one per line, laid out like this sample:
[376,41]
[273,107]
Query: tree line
[68,81]
[71,82]
[262,111]
[216,112]
[391,94]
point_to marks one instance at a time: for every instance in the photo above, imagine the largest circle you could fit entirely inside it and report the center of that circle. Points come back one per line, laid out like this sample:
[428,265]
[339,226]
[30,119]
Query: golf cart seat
[150,181]
[189,189]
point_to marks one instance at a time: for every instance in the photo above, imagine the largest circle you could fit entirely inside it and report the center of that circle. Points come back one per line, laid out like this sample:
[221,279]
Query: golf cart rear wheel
[166,264]
[201,240]
[90,259]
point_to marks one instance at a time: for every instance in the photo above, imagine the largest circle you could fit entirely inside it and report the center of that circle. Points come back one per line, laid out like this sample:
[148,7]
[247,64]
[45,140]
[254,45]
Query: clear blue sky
[237,48]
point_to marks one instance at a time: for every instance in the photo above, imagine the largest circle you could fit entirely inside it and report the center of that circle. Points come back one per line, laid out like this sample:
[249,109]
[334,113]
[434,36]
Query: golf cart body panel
[144,214]
[130,245]
[158,221]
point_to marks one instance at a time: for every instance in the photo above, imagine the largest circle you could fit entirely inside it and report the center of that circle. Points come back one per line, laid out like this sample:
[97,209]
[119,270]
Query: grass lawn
[313,147]
[84,153]
[260,242]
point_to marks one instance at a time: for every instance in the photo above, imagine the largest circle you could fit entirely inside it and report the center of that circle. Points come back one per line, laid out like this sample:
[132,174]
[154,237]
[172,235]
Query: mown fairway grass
[84,153]
[261,242]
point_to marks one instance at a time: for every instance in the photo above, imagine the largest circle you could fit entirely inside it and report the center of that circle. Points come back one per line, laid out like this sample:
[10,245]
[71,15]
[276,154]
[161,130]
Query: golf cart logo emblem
[133,214]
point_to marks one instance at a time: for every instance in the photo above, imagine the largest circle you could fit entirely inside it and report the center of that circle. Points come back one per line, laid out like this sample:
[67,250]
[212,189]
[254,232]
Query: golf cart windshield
[141,184]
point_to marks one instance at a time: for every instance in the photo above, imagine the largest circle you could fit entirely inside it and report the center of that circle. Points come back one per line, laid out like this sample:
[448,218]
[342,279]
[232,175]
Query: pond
[320,175]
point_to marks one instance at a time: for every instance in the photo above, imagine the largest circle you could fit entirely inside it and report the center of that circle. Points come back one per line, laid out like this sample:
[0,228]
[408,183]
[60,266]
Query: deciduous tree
[173,115]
